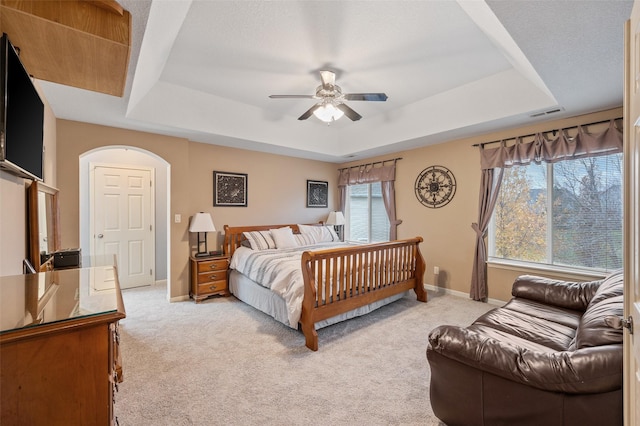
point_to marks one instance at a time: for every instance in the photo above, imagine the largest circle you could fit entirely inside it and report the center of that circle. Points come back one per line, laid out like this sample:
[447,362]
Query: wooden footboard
[340,280]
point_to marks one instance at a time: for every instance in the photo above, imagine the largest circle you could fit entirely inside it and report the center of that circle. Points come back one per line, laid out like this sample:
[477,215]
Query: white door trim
[92,199]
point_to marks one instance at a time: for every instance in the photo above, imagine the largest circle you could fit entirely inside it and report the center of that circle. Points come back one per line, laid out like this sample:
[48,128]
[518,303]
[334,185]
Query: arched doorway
[131,156]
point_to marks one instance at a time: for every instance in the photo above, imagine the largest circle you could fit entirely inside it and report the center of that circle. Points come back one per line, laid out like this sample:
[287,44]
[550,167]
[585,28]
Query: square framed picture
[317,193]
[229,189]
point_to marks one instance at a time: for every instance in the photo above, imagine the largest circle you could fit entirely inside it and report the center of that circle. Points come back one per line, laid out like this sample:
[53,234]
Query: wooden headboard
[233,237]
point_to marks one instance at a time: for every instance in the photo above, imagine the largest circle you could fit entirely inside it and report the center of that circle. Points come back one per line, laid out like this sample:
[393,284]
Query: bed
[318,281]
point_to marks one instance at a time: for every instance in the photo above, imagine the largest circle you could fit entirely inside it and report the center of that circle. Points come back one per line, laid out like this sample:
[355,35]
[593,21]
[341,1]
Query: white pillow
[321,233]
[260,240]
[305,239]
[283,237]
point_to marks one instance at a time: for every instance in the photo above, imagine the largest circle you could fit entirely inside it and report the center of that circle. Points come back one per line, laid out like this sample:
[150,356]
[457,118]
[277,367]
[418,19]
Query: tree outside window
[567,213]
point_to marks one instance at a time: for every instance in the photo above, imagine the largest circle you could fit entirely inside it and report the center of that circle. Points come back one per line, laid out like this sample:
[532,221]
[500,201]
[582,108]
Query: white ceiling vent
[542,113]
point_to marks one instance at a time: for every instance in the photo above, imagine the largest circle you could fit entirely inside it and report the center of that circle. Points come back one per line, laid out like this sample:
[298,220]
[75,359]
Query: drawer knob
[212,287]
[213,266]
[212,277]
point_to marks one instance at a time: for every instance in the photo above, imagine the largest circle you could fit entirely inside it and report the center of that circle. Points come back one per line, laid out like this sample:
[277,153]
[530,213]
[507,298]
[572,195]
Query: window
[367,219]
[567,213]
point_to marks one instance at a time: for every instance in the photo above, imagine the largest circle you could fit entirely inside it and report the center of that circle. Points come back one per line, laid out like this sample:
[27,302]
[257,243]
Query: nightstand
[209,277]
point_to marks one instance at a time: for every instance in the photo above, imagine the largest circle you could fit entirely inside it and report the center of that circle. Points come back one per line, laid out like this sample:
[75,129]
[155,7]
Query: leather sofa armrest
[563,294]
[588,370]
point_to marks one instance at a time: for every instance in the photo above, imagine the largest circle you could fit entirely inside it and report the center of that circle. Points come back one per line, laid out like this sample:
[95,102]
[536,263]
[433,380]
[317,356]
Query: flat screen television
[21,117]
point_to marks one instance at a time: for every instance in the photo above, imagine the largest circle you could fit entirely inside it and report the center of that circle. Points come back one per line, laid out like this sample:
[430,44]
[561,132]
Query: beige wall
[277,190]
[449,241]
[276,186]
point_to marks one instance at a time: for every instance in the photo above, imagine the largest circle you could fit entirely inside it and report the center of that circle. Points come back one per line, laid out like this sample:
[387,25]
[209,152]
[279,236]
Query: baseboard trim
[457,293]
[161,282]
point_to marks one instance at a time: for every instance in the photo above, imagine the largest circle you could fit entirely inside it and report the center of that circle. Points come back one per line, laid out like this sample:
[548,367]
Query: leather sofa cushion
[509,339]
[611,286]
[527,324]
[593,331]
[567,317]
[569,295]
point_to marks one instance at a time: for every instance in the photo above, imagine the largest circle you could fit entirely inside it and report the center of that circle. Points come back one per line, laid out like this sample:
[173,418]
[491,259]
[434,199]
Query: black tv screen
[22,115]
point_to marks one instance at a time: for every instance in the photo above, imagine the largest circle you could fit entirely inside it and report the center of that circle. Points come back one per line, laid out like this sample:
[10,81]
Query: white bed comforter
[279,270]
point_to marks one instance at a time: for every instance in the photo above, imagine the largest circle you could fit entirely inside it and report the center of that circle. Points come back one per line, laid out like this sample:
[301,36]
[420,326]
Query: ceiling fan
[331,106]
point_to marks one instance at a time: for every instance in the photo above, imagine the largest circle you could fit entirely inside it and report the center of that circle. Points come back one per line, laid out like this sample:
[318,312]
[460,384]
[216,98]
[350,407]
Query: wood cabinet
[209,277]
[73,43]
[59,350]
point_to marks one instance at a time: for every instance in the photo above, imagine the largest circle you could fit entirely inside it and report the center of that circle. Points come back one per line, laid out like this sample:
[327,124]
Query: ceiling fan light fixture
[332,104]
[328,112]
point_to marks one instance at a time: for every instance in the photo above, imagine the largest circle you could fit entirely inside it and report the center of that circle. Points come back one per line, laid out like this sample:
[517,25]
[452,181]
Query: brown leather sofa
[547,357]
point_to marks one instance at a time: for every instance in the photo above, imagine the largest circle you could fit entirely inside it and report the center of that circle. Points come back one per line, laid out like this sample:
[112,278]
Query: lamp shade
[335,218]
[201,222]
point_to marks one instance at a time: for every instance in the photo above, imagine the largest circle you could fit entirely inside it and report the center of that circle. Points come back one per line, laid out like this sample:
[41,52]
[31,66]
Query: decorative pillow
[283,237]
[304,239]
[260,240]
[321,233]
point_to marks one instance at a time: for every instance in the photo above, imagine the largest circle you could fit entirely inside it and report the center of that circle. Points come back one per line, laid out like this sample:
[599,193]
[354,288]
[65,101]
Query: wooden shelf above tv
[79,43]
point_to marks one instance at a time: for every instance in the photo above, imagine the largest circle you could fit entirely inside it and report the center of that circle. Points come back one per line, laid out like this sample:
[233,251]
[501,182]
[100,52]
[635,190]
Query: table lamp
[202,223]
[337,220]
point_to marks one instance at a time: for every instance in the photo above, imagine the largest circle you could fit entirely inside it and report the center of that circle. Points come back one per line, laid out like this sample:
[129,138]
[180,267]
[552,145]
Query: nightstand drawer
[209,277]
[212,265]
[212,276]
[212,287]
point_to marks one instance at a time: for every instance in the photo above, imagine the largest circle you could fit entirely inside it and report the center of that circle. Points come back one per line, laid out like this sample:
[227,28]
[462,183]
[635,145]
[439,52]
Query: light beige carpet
[221,362]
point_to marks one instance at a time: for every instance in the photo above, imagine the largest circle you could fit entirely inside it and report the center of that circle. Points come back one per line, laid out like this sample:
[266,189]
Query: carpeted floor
[221,362]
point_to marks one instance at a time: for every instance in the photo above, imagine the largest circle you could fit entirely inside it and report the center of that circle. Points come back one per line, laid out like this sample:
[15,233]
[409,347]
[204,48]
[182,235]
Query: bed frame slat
[339,280]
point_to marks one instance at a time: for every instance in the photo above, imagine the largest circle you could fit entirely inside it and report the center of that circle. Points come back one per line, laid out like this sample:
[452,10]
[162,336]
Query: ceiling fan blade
[309,112]
[354,116]
[292,96]
[328,79]
[366,97]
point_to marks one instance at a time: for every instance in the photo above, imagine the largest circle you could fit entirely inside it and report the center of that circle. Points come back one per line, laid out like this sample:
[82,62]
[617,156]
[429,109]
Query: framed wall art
[229,189]
[317,193]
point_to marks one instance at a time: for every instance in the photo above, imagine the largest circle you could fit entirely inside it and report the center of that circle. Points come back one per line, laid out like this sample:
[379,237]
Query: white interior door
[632,213]
[122,221]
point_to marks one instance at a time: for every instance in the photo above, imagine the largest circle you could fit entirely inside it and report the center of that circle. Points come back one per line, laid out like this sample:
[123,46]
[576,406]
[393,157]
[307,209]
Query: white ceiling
[203,70]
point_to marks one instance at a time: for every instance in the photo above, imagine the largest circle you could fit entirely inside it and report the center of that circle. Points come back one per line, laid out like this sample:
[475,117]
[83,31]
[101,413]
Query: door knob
[100,235]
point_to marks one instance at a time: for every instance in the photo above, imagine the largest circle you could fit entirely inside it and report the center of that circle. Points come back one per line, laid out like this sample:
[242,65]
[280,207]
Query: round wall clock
[435,186]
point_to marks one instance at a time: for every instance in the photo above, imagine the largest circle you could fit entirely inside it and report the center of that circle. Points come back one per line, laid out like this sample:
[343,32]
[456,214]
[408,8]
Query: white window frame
[347,228]
[575,272]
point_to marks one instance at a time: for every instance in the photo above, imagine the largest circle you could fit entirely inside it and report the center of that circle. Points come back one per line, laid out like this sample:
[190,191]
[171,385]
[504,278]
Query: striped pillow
[260,240]
[322,234]
[305,239]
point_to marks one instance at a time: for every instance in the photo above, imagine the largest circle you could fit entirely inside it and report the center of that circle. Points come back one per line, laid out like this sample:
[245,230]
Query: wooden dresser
[59,351]
[209,276]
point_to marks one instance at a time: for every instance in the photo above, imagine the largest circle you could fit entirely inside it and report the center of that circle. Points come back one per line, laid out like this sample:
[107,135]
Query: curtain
[541,149]
[343,180]
[389,199]
[489,190]
[386,175]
